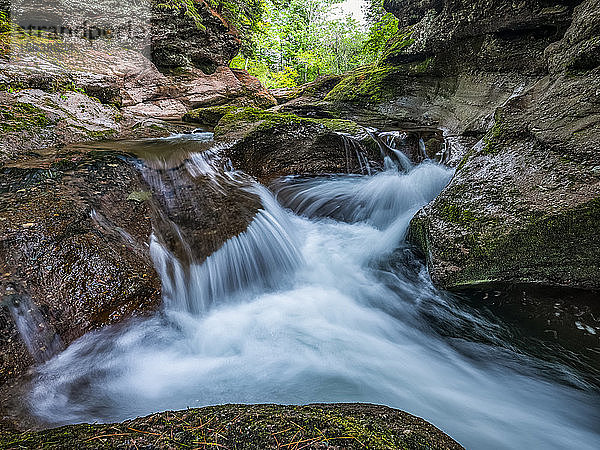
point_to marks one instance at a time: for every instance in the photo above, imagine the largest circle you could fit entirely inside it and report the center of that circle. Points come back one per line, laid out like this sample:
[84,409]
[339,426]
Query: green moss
[464,160]
[210,115]
[492,139]
[22,116]
[398,44]
[100,134]
[261,120]
[421,67]
[560,249]
[371,84]
[249,427]
[456,214]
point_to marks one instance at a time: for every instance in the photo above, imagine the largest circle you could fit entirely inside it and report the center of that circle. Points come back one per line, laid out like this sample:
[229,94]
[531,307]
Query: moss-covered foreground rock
[342,426]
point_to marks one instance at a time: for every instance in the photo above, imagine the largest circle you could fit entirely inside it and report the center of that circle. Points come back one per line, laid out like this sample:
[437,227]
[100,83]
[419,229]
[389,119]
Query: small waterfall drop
[256,258]
[353,147]
[389,144]
[40,339]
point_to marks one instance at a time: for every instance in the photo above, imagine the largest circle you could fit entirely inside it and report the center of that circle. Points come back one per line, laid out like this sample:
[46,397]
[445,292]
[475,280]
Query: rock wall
[514,87]
[185,66]
[523,205]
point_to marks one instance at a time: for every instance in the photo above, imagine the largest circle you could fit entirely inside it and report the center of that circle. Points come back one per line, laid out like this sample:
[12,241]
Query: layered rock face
[514,87]
[75,224]
[171,62]
[524,203]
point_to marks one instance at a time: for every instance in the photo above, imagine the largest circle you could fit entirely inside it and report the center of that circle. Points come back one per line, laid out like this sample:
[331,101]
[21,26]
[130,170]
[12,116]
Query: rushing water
[321,300]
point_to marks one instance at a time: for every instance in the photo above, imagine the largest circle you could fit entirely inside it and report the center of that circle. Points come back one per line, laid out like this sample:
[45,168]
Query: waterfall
[389,144]
[39,338]
[320,299]
[257,258]
[353,147]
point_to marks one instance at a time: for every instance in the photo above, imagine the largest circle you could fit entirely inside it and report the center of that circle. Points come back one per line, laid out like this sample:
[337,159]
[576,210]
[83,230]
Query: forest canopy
[290,42]
[297,40]
[294,41]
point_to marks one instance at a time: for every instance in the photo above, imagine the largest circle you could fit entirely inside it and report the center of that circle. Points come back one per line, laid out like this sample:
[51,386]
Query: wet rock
[84,259]
[267,144]
[210,115]
[348,426]
[579,49]
[121,92]
[75,230]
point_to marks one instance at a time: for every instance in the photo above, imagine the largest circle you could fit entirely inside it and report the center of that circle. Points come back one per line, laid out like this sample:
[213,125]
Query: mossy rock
[375,84]
[210,115]
[347,426]
[560,249]
[21,117]
[267,144]
[250,120]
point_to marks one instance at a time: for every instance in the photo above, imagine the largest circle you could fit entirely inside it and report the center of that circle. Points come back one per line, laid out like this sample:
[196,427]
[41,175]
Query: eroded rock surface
[73,246]
[523,206]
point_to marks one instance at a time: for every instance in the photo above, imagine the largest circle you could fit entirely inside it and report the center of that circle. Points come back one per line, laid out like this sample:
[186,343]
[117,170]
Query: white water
[325,306]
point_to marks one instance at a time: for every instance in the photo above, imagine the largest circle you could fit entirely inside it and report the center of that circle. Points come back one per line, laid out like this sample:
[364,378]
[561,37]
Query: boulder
[268,144]
[74,251]
[348,426]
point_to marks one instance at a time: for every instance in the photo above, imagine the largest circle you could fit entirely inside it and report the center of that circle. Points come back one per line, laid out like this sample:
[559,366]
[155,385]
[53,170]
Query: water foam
[303,308]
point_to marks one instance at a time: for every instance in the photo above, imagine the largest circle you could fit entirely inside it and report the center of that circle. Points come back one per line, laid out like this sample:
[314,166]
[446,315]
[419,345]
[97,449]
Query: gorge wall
[524,203]
[514,87]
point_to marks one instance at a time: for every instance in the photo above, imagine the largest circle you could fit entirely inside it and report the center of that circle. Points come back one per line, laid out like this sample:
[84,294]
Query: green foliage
[379,34]
[286,78]
[247,16]
[302,39]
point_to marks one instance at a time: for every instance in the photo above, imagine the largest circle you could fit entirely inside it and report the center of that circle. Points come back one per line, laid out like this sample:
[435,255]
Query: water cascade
[40,339]
[319,300]
[353,146]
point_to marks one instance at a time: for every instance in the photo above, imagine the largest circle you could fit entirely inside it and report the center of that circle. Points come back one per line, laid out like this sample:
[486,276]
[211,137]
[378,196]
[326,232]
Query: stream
[320,300]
